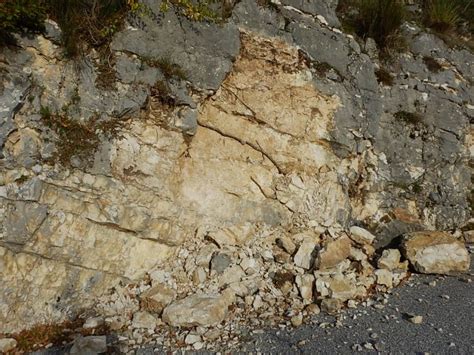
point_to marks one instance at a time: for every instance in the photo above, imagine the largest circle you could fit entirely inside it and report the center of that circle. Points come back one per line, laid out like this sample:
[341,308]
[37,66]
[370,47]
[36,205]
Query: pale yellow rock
[305,284]
[144,320]
[390,259]
[7,344]
[305,255]
[331,306]
[435,252]
[297,320]
[333,253]
[341,288]
[157,298]
[199,275]
[286,244]
[197,310]
[384,277]
[361,235]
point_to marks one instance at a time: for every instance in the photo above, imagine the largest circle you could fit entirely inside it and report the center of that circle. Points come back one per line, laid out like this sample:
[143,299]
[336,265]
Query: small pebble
[416,319]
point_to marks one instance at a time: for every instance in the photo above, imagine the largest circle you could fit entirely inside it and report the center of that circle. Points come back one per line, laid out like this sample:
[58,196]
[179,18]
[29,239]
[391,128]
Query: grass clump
[449,15]
[377,19]
[73,138]
[198,10]
[87,23]
[442,15]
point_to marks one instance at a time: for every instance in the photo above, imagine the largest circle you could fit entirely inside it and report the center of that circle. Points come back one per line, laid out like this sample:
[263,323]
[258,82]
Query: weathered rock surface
[280,140]
[435,253]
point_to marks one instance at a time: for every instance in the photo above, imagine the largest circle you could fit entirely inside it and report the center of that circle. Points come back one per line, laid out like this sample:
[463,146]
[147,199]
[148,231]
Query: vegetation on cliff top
[381,19]
[85,23]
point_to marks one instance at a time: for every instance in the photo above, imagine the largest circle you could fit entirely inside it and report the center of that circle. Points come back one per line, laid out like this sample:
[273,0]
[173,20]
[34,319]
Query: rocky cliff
[203,151]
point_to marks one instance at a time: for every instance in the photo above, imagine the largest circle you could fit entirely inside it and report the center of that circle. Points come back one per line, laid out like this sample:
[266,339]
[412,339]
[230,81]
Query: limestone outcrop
[281,171]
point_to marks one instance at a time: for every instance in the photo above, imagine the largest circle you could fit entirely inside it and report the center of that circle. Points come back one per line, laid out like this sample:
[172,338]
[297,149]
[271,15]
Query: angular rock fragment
[220,262]
[89,345]
[341,288]
[144,320]
[195,310]
[305,286]
[157,298]
[361,236]
[390,259]
[7,344]
[333,253]
[305,255]
[384,277]
[331,306]
[286,244]
[435,252]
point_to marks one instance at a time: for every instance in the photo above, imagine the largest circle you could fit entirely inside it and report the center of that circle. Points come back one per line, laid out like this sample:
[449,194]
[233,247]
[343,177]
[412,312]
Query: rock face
[435,253]
[279,140]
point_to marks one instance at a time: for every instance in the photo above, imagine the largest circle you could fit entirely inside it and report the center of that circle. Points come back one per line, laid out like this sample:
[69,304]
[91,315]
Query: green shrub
[447,15]
[20,16]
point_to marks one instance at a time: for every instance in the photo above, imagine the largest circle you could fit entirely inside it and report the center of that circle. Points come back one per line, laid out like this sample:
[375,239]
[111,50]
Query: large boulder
[435,252]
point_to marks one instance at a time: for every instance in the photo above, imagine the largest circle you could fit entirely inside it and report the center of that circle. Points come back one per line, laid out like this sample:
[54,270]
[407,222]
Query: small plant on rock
[377,19]
[442,15]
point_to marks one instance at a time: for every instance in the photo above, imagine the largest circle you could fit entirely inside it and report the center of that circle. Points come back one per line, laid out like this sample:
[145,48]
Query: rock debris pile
[216,289]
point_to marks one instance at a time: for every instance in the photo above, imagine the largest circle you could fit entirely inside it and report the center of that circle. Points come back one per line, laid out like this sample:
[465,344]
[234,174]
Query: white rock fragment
[93,323]
[361,235]
[390,259]
[204,310]
[7,344]
[435,252]
[305,286]
[305,255]
[144,320]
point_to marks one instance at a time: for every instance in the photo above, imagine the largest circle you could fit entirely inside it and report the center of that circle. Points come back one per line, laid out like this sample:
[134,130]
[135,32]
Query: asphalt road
[447,327]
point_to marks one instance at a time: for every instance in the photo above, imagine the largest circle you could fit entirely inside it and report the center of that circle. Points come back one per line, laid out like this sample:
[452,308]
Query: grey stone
[261,19]
[323,45]
[203,50]
[327,9]
[89,345]
[220,262]
[22,220]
